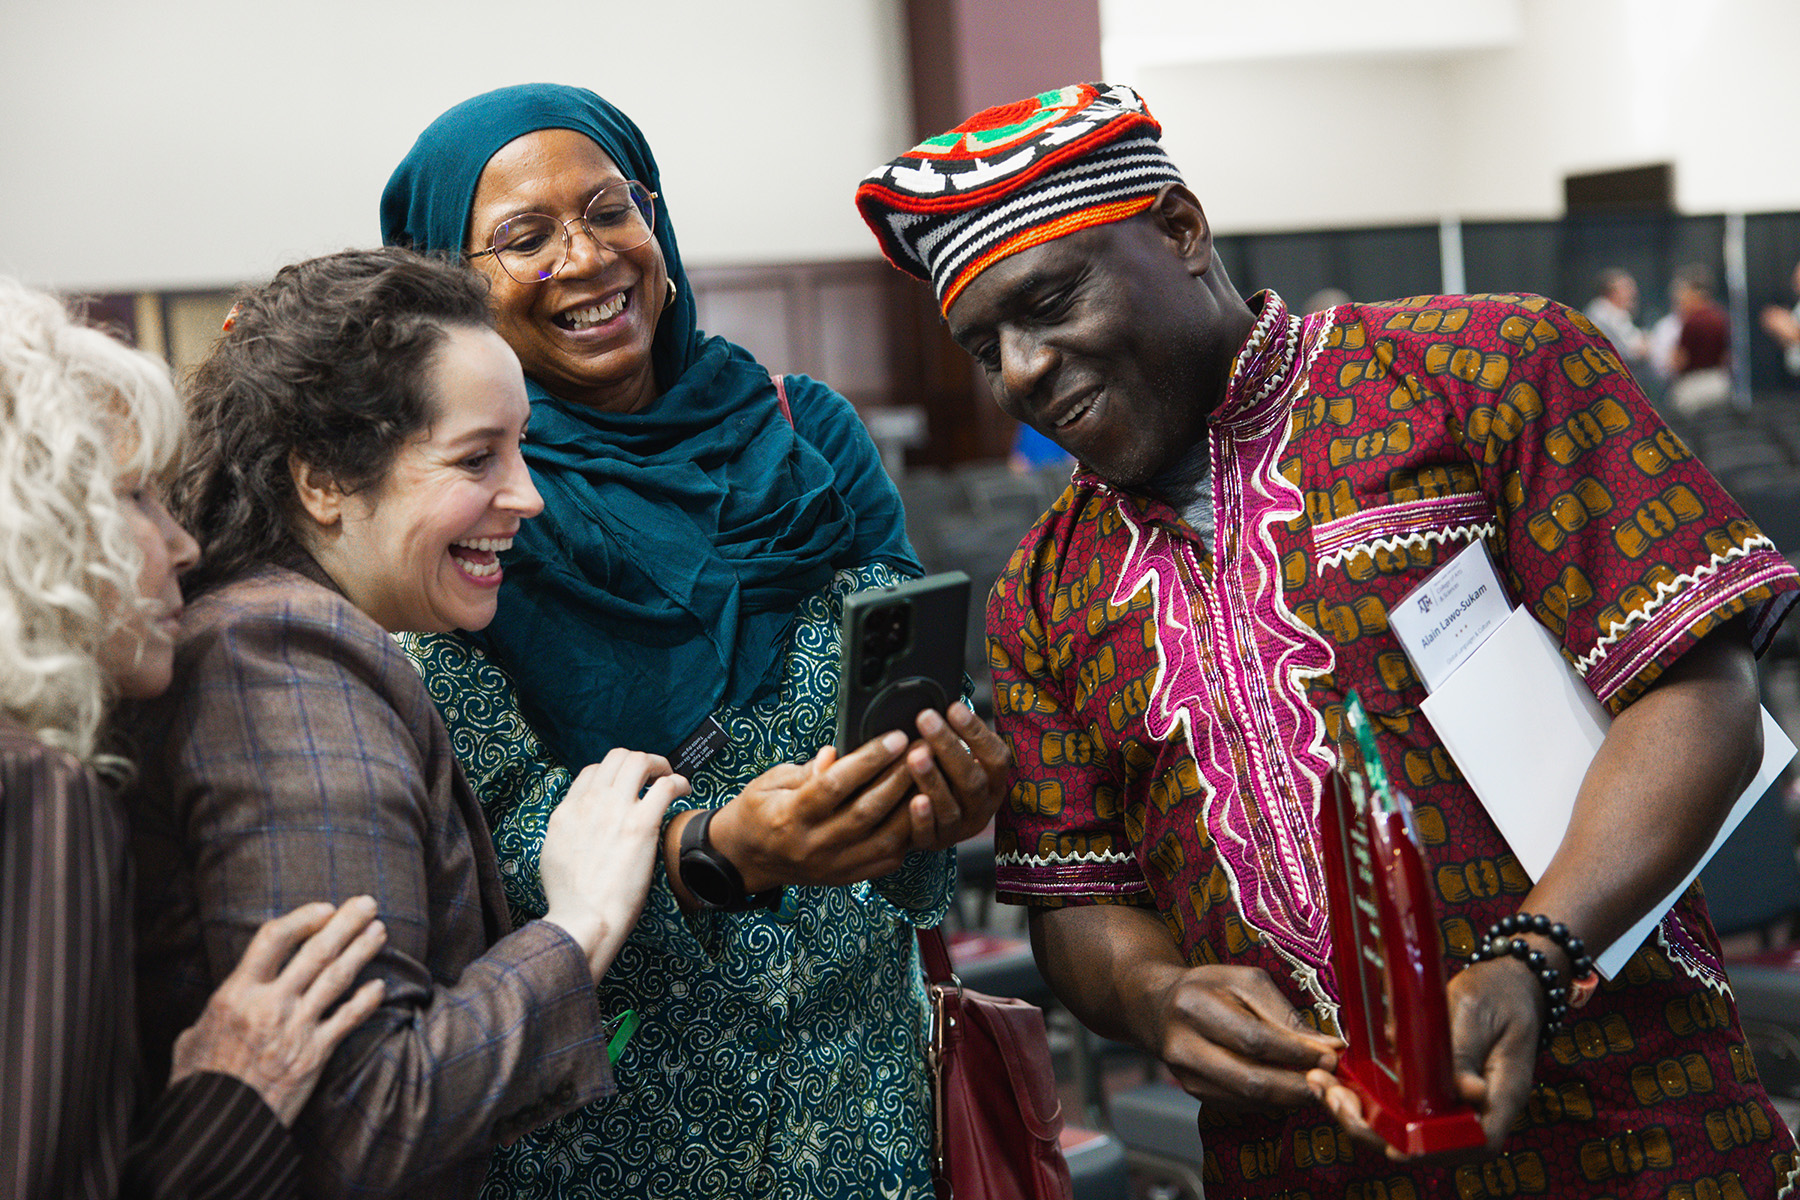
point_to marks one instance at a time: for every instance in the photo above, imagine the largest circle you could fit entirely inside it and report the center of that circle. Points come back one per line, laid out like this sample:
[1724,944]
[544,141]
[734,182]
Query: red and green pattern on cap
[1014,176]
[1005,126]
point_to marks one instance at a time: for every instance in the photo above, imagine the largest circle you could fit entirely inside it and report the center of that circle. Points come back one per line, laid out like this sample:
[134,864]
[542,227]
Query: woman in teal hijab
[703,524]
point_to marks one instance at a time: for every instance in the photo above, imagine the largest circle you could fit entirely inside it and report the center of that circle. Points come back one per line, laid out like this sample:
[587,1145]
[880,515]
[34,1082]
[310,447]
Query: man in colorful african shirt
[1172,644]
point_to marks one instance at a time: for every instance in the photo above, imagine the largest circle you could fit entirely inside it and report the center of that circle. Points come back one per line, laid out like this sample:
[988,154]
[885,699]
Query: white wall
[198,143]
[1357,138]
[1304,144]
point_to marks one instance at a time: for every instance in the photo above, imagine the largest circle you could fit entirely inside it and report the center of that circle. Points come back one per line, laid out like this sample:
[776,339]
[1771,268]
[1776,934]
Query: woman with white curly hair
[89,431]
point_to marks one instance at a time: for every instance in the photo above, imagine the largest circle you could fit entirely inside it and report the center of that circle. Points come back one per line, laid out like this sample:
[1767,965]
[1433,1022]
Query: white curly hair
[80,413]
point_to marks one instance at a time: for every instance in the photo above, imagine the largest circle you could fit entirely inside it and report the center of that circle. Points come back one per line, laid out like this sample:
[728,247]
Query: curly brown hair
[326,364]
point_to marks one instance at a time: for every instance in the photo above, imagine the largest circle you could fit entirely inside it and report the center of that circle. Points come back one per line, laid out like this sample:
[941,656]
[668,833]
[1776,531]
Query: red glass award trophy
[1395,1012]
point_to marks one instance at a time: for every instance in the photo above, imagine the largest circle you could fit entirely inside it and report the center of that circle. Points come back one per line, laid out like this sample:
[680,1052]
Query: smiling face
[419,551]
[1115,342]
[138,656]
[584,334]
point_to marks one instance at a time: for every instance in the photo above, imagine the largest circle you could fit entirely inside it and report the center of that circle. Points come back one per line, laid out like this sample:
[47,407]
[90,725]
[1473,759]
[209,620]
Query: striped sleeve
[66,1046]
[211,1137]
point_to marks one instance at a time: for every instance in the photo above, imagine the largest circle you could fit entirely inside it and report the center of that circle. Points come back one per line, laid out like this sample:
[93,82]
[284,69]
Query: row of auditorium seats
[1755,454]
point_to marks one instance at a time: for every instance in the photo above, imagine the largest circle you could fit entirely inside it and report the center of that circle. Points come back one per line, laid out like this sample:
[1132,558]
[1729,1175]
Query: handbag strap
[934,956]
[780,382]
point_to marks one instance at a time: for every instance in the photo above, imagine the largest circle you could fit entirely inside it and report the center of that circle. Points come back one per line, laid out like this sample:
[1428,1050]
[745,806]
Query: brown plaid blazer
[298,758]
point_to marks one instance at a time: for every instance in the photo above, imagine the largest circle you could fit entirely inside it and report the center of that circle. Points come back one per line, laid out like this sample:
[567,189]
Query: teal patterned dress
[781,1054]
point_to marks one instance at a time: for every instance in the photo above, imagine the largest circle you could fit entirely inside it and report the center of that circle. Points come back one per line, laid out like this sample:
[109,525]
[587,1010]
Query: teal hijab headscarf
[676,542]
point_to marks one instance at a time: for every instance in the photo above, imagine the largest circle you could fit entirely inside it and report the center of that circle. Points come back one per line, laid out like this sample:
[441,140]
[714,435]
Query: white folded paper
[1522,728]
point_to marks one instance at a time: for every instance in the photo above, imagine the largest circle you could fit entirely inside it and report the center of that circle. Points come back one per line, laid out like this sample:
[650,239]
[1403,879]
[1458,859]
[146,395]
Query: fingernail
[960,713]
[930,722]
[893,741]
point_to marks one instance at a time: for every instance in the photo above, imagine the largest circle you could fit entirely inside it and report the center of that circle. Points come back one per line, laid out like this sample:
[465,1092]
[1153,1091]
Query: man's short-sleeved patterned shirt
[1173,706]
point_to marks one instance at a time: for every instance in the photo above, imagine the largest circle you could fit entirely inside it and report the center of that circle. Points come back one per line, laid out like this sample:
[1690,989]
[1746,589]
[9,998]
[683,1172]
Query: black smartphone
[901,652]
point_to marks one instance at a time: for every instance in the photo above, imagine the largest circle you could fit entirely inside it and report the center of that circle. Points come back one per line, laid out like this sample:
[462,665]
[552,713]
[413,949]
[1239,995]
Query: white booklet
[1522,728]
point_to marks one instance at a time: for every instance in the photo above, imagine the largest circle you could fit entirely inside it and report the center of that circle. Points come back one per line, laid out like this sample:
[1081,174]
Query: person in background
[704,522]
[89,430]
[1324,298]
[1702,354]
[1783,324]
[1614,309]
[1174,642]
[355,471]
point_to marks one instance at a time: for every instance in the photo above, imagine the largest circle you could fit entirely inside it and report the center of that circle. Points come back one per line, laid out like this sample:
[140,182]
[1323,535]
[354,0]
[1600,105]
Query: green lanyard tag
[621,1027]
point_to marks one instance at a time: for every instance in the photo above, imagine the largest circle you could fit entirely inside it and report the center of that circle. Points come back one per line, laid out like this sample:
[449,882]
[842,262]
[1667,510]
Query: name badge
[1443,620]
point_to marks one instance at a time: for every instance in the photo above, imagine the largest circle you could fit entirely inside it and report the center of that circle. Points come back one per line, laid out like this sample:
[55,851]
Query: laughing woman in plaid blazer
[355,469]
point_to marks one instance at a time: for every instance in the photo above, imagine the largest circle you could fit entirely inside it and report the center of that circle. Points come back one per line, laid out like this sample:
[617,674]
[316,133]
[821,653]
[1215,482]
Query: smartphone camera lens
[898,629]
[870,669]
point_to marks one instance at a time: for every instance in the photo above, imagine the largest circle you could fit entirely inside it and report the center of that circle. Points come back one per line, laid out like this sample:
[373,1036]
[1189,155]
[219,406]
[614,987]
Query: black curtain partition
[1370,264]
[1561,259]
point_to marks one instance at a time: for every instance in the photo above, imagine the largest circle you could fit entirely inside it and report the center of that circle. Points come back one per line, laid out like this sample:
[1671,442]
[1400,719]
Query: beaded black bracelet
[1580,965]
[1501,942]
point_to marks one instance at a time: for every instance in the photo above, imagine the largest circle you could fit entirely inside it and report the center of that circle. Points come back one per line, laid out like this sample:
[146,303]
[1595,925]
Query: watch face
[707,879]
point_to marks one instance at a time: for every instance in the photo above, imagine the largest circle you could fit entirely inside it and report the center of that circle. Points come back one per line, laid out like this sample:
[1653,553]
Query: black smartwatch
[711,877]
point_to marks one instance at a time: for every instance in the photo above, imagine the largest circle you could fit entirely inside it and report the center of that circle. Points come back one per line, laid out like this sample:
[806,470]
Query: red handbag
[997,1112]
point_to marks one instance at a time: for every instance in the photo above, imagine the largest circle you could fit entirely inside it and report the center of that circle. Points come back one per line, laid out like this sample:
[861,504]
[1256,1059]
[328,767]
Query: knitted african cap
[1013,177]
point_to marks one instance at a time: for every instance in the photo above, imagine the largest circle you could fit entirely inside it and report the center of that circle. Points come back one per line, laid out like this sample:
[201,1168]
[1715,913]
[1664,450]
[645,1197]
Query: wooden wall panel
[754,314]
[869,331]
[855,344]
